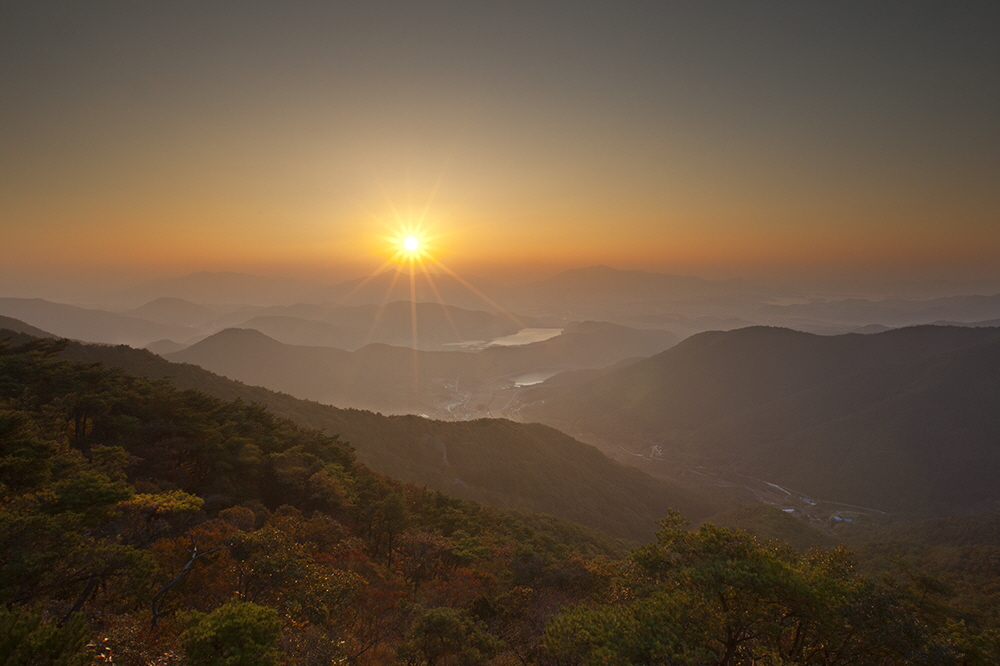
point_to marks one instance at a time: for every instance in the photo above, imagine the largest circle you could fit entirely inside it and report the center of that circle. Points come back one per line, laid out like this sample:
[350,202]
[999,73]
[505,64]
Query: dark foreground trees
[237,633]
[26,639]
[719,596]
[140,524]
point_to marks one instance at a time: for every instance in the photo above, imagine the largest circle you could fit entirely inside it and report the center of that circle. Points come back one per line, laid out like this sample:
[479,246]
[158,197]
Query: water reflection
[523,337]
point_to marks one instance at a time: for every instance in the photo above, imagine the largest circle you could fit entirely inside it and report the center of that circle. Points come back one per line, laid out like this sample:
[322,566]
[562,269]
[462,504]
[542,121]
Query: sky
[720,139]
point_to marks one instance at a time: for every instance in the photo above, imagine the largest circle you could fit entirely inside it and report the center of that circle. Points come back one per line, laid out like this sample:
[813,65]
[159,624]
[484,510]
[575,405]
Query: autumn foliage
[140,524]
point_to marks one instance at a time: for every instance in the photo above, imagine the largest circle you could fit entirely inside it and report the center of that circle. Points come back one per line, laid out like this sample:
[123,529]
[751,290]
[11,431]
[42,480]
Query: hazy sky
[710,138]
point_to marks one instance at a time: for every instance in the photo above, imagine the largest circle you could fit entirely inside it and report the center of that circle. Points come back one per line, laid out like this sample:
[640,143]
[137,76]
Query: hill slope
[160,524]
[903,420]
[768,522]
[18,326]
[88,324]
[352,327]
[530,467]
[397,379]
[174,312]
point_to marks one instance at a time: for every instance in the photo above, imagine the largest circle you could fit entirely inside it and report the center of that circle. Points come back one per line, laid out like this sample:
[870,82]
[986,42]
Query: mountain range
[900,421]
[396,379]
[528,467]
[419,325]
[191,307]
[904,420]
[90,324]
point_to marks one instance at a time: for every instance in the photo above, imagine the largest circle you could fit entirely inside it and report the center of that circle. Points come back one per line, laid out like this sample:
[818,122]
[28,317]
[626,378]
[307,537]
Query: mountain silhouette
[527,467]
[90,325]
[395,379]
[174,312]
[903,420]
[396,323]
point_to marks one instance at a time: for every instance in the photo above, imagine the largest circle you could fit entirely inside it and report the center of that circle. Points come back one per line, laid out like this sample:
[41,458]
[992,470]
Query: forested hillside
[520,466]
[397,379]
[139,505]
[901,421]
[142,524]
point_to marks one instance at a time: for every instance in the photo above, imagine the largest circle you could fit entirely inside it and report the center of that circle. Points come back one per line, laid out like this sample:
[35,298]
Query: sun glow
[411,245]
[413,256]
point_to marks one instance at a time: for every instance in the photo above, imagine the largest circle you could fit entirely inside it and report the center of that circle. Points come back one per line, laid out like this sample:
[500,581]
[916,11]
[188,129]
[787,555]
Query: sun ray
[413,303]
[429,277]
[411,242]
[444,306]
[414,257]
[486,299]
[415,354]
[381,307]
[413,247]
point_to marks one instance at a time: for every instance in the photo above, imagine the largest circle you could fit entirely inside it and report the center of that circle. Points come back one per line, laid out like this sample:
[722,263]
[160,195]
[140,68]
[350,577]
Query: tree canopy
[141,523]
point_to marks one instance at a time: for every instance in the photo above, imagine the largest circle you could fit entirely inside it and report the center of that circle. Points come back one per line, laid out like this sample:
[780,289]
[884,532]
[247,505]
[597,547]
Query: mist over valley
[855,402]
[499,334]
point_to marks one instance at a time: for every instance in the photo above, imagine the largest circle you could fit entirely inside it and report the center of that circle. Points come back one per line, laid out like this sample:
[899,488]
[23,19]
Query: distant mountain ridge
[903,420]
[395,379]
[174,311]
[639,299]
[602,292]
[395,284]
[350,327]
[18,326]
[89,325]
[520,466]
[893,311]
[224,288]
[602,281]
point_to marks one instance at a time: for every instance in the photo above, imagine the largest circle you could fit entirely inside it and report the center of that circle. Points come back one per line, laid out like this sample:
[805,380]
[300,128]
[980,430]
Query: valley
[517,468]
[848,420]
[499,333]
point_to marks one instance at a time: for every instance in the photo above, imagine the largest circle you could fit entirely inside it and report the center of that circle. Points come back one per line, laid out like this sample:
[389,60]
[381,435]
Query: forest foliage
[520,466]
[141,524]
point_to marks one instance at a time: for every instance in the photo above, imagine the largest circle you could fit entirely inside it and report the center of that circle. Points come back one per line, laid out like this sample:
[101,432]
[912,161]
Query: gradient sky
[142,139]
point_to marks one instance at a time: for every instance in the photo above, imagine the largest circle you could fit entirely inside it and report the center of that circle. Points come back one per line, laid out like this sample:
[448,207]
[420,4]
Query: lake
[523,337]
[532,378]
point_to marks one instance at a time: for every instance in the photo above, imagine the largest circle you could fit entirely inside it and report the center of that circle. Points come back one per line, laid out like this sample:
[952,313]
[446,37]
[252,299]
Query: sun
[413,243]
[409,245]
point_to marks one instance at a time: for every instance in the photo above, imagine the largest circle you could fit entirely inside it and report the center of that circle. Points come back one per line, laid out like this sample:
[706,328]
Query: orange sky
[140,141]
